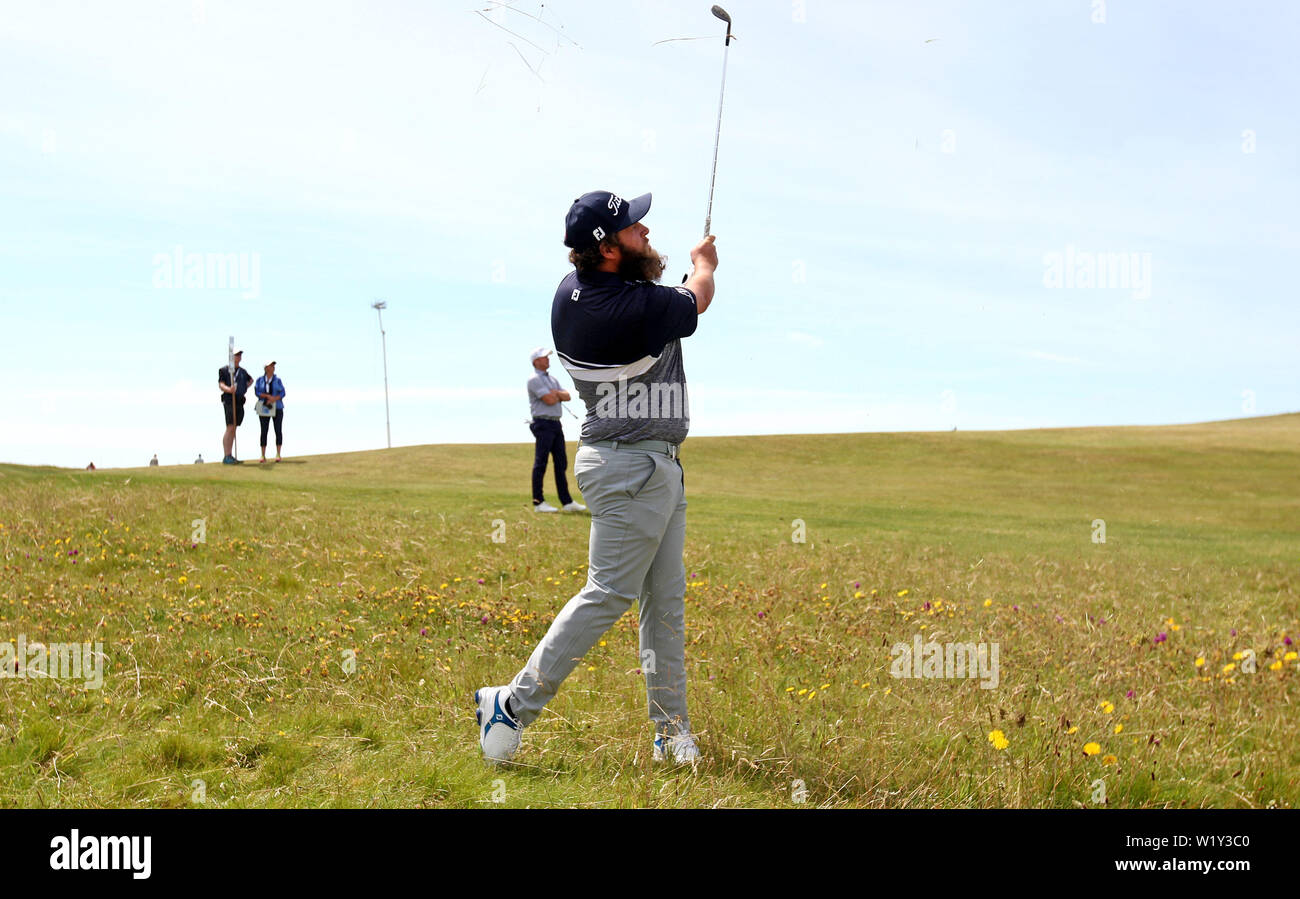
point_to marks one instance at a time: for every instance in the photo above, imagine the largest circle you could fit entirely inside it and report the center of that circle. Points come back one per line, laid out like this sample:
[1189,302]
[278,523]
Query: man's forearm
[701,284]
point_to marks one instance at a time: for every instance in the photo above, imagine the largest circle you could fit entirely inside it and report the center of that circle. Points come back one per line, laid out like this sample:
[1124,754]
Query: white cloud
[1053,357]
[807,340]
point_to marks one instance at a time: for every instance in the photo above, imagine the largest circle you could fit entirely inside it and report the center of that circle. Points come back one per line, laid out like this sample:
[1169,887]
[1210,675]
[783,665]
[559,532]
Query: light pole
[379,306]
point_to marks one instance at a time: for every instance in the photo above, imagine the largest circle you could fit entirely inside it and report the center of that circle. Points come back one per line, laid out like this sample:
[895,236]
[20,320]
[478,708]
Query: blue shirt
[276,389]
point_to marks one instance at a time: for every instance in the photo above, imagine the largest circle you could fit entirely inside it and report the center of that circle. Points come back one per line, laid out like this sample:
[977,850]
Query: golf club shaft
[717,134]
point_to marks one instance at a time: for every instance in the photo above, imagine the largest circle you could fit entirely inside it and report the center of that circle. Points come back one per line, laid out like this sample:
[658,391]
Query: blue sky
[894,181]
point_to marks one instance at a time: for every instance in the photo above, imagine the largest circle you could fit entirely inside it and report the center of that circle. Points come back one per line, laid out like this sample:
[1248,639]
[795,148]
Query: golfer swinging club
[618,334]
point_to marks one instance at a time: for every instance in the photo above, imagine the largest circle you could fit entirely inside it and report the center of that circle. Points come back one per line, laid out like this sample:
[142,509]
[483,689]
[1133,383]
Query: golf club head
[722,14]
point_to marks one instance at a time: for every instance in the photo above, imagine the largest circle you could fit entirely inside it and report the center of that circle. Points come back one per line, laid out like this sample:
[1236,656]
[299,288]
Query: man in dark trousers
[619,335]
[234,382]
[544,398]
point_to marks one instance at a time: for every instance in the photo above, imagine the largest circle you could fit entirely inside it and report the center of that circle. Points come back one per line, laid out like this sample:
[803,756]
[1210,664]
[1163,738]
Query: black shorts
[238,418]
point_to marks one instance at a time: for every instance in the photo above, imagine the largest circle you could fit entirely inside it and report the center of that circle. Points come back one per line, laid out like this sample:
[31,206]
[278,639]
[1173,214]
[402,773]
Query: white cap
[538,353]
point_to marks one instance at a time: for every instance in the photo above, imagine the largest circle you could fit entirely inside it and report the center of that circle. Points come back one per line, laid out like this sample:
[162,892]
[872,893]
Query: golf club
[724,16]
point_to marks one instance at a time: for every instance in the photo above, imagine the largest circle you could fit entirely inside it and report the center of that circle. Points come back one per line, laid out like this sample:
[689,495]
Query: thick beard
[642,266]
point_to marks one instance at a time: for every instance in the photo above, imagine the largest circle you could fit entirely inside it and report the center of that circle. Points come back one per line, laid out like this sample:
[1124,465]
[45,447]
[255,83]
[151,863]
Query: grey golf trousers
[638,530]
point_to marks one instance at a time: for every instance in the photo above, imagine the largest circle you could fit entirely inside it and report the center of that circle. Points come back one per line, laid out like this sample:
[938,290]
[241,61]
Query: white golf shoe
[498,731]
[680,747]
[544,507]
[574,507]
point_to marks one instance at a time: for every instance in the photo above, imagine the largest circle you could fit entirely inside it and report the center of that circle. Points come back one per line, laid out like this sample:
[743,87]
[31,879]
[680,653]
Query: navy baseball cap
[600,213]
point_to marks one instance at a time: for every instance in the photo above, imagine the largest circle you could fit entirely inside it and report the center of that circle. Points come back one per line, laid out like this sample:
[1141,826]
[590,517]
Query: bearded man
[618,334]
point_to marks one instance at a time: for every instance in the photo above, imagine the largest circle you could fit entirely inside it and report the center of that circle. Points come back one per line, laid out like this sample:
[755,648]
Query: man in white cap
[544,398]
[233,381]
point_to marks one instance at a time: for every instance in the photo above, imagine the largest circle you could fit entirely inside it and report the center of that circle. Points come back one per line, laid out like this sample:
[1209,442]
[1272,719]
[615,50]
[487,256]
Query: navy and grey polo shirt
[621,343]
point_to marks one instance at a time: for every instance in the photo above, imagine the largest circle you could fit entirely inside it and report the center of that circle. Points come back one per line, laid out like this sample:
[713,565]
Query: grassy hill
[320,644]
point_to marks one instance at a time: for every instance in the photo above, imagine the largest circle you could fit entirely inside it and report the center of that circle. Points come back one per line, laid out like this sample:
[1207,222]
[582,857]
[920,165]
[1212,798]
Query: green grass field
[320,645]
